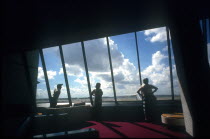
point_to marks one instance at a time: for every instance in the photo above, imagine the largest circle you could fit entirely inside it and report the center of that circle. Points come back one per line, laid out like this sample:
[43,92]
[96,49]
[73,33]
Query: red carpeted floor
[134,130]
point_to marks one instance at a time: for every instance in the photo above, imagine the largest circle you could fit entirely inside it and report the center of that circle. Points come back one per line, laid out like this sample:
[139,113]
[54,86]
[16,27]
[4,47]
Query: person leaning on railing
[55,96]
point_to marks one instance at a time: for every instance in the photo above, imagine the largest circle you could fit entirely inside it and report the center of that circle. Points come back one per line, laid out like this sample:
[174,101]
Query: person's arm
[154,87]
[139,91]
[93,93]
[101,92]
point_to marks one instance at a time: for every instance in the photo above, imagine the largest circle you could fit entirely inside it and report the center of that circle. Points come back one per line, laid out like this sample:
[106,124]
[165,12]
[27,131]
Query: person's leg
[155,114]
[147,111]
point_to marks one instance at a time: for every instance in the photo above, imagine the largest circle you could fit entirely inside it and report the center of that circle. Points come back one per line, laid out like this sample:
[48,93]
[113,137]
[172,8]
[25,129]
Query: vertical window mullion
[65,75]
[137,50]
[29,80]
[45,75]
[86,70]
[110,62]
[170,63]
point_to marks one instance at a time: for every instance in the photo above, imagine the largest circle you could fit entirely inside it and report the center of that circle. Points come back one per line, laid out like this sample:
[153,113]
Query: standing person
[98,96]
[56,95]
[147,94]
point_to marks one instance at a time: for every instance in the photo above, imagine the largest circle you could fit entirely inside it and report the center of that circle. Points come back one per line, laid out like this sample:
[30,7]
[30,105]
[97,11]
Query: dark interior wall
[45,24]
[36,24]
[193,70]
[32,60]
[32,25]
[187,115]
[16,86]
[17,101]
[15,81]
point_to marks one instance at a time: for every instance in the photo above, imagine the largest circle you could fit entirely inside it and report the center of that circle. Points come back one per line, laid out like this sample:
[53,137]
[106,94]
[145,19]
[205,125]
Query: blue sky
[153,59]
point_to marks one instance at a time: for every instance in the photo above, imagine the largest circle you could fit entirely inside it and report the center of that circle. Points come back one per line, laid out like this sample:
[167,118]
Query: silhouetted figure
[56,95]
[98,96]
[147,94]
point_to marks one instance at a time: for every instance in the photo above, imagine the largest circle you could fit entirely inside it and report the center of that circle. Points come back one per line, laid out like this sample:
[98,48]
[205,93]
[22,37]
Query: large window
[176,84]
[74,63]
[99,66]
[125,66]
[205,28]
[154,64]
[153,51]
[53,65]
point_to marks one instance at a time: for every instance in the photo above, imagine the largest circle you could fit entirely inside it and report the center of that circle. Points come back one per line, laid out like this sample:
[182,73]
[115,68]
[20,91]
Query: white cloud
[50,74]
[157,58]
[72,70]
[40,73]
[83,81]
[96,55]
[156,35]
[158,73]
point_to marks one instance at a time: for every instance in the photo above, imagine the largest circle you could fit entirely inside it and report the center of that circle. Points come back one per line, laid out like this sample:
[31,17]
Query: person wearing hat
[56,95]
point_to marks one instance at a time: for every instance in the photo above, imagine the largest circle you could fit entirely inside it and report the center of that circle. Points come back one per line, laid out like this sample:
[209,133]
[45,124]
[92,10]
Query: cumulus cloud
[158,73]
[50,74]
[156,35]
[83,81]
[40,73]
[157,58]
[96,55]
[72,70]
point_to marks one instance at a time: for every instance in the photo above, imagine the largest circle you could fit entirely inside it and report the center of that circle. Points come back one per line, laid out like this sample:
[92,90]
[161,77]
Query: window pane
[99,67]
[177,86]
[53,65]
[125,66]
[41,91]
[208,37]
[154,60]
[75,69]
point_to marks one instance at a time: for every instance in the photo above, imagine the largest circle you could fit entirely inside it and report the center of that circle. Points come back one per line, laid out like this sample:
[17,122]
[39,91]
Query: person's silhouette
[98,96]
[147,93]
[56,95]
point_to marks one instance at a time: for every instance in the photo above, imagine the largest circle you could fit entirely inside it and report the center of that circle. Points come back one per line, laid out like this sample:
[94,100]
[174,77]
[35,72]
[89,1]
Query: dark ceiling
[44,24]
